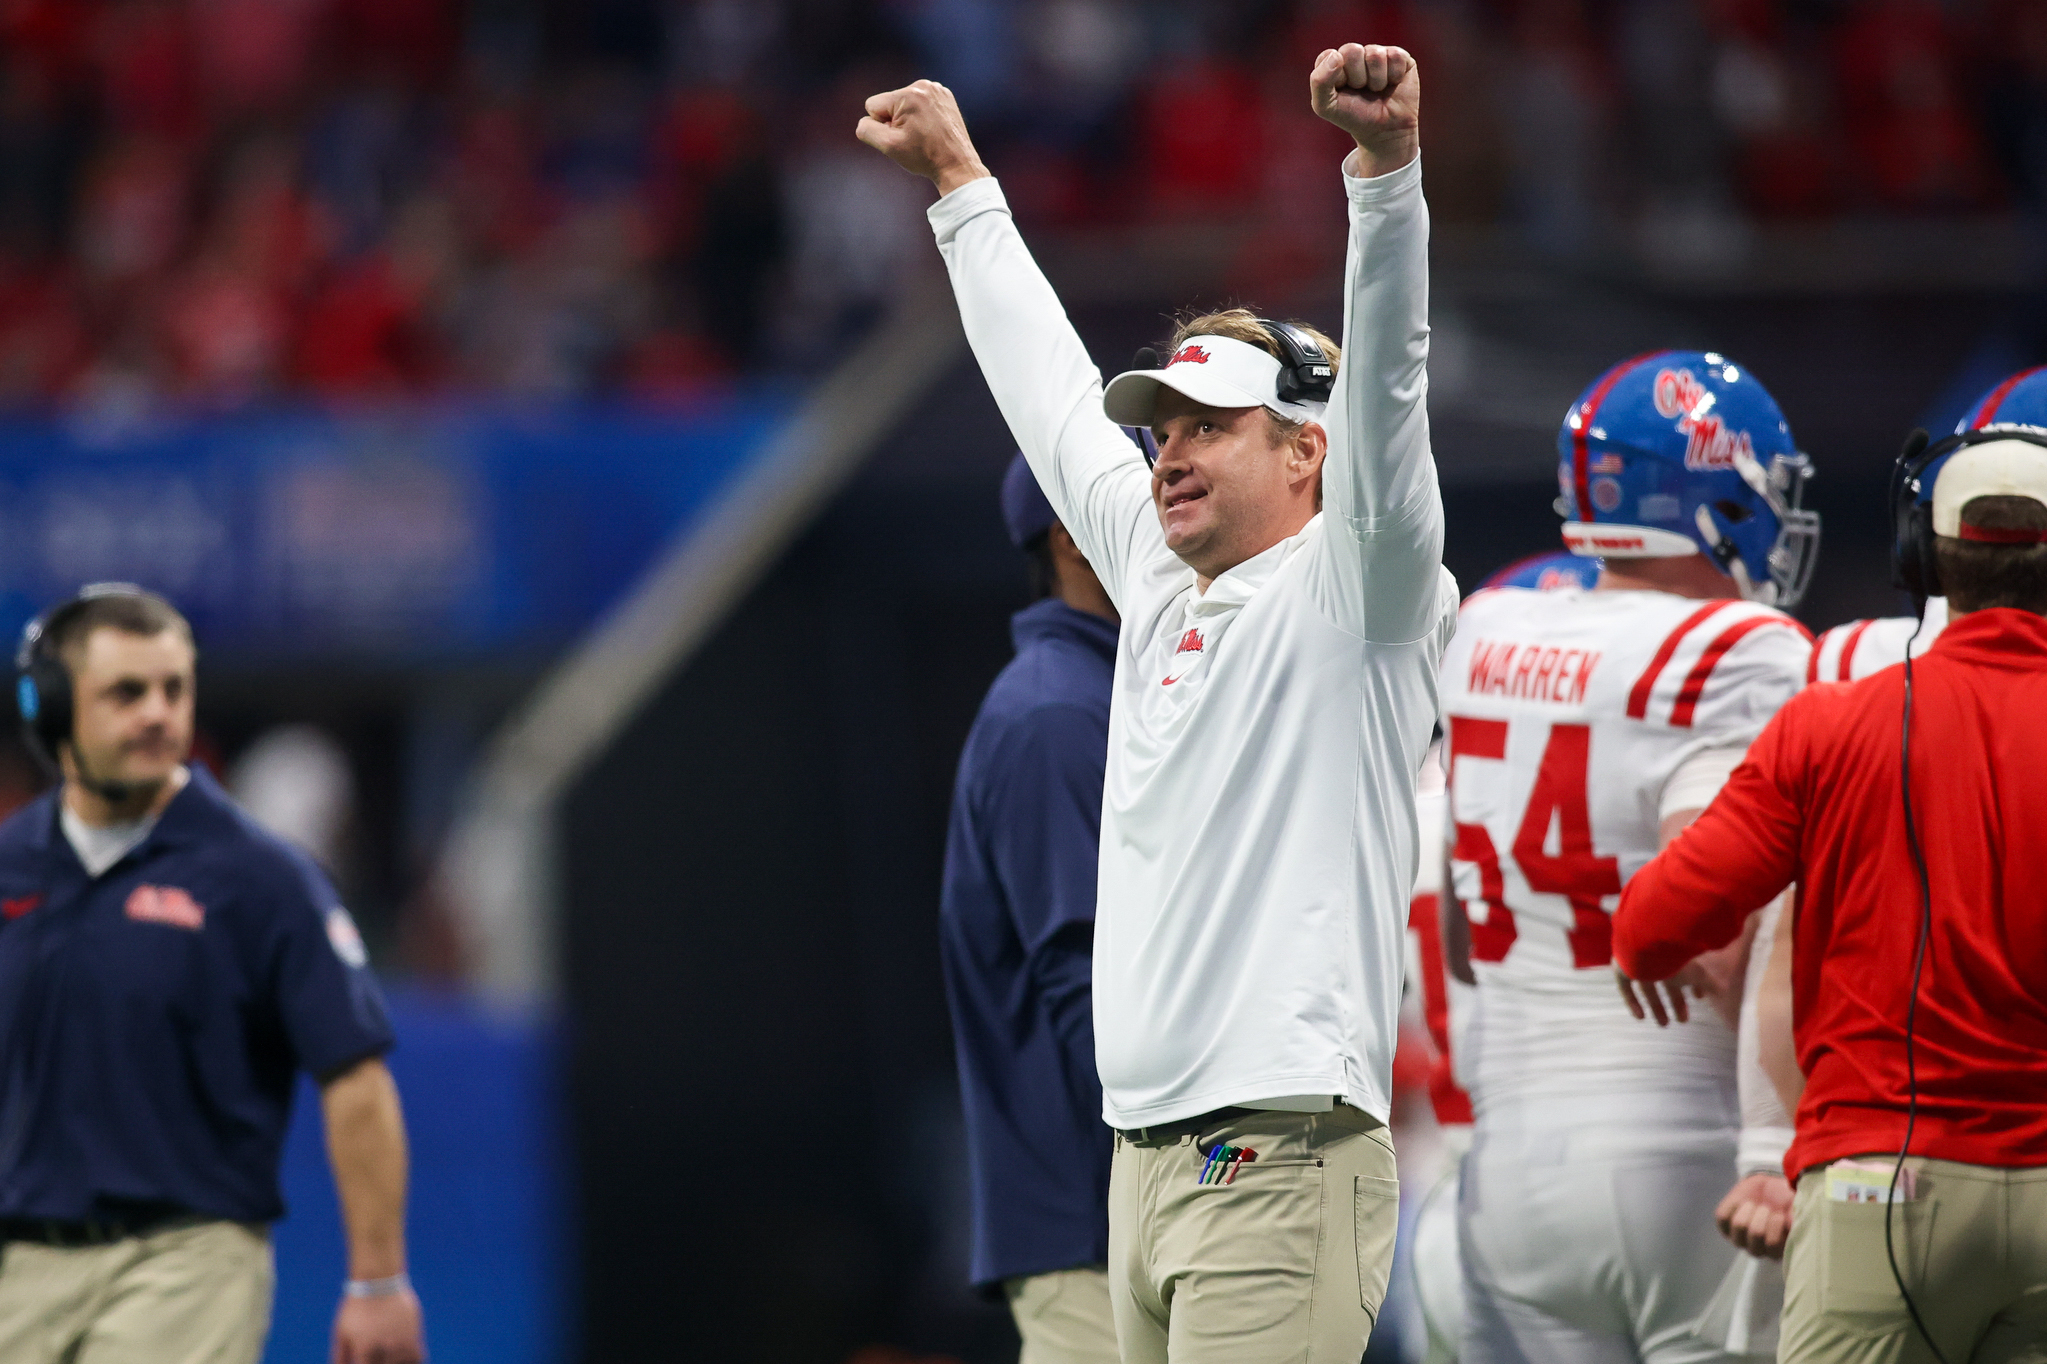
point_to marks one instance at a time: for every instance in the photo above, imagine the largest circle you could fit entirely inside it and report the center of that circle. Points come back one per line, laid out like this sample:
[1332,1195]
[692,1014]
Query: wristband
[378,1288]
[1761,1150]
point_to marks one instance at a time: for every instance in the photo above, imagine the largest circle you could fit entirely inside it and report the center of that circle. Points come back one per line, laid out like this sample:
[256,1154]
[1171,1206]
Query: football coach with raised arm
[1278,576]
[166,970]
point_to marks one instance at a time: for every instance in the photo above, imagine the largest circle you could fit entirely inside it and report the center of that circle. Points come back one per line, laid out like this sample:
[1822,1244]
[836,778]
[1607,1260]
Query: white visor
[1996,468]
[1212,370]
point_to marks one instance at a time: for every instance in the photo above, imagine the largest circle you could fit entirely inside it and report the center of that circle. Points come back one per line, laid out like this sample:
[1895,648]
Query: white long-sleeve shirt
[1258,835]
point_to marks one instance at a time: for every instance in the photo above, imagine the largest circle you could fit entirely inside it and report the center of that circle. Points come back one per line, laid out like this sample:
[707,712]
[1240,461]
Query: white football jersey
[1851,652]
[1568,712]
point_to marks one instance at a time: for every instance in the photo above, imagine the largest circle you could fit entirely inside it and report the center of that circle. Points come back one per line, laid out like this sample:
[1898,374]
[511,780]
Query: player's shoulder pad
[1832,654]
[1486,601]
[1855,650]
[1724,665]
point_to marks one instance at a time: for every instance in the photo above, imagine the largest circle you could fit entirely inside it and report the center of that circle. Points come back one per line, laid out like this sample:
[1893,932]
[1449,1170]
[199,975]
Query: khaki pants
[1064,1317]
[1972,1248]
[190,1294]
[1286,1262]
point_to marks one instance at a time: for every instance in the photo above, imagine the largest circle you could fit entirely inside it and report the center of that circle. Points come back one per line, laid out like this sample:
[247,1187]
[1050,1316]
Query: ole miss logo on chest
[166,905]
[1190,643]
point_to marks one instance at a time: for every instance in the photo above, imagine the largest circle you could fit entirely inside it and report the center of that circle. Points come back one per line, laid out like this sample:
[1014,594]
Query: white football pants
[1587,1231]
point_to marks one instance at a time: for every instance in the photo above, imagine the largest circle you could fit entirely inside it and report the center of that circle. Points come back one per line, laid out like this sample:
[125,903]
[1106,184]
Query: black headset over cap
[43,686]
[1913,565]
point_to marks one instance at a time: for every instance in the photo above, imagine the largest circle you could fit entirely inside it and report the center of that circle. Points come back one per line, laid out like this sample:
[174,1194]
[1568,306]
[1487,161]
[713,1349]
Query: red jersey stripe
[1812,665]
[1695,681]
[1581,454]
[1638,699]
[1987,413]
[1846,672]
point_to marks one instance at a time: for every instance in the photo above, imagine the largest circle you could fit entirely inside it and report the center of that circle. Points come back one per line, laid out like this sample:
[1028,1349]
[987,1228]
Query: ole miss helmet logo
[1678,395]
[1189,355]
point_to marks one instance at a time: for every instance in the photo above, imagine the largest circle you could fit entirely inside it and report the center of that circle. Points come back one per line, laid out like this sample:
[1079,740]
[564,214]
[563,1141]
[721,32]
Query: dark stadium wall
[764,1116]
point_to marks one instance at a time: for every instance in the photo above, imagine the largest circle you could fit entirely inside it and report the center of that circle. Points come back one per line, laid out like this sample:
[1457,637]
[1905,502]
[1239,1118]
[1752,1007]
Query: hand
[1374,94]
[1690,977]
[920,129]
[379,1331]
[1756,1215]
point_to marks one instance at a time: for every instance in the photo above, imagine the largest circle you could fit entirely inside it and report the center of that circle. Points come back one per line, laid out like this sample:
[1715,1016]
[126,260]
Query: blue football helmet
[1684,452]
[2020,400]
[2017,403]
[1545,572]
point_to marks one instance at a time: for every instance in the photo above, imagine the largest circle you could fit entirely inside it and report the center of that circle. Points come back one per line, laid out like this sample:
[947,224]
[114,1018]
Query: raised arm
[1379,489]
[1049,392]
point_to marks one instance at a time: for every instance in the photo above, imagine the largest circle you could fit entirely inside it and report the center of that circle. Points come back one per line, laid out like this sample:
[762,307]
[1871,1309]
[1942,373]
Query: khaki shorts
[1288,1261]
[1063,1316]
[1972,1247]
[197,1293]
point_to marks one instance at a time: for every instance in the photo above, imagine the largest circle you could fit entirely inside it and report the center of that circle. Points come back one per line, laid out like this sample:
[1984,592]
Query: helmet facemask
[1786,567]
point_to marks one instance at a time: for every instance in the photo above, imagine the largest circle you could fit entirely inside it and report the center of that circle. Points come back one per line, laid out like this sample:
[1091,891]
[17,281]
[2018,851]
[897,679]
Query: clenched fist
[1756,1215]
[1373,93]
[920,129]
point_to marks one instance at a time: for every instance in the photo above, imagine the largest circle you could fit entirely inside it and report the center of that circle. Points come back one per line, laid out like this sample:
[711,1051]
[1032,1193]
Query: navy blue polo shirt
[1016,923]
[153,1018]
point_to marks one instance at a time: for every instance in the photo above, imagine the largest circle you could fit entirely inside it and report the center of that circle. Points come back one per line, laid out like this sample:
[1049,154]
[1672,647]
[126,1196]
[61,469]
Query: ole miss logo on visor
[1189,355]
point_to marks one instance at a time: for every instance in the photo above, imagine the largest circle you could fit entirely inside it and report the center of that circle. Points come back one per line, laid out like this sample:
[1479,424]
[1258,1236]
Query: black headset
[1913,566]
[1305,372]
[42,686]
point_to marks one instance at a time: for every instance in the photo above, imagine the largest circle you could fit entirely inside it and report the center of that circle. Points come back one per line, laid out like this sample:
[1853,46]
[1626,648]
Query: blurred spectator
[295,781]
[1200,134]
[855,223]
[1686,217]
[1772,97]
[1556,107]
[232,201]
[1914,144]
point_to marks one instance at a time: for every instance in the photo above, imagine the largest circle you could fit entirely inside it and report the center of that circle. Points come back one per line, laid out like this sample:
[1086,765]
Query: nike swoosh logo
[1169,681]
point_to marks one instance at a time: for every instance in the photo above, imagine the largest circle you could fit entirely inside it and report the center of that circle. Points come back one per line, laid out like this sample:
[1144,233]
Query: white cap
[1215,371]
[1994,468]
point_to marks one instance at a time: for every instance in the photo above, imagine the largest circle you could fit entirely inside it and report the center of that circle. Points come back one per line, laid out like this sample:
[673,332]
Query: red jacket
[1818,802]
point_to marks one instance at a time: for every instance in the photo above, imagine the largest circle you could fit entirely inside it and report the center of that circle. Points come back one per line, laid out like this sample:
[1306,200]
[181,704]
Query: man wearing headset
[1909,808]
[166,969]
[1278,575]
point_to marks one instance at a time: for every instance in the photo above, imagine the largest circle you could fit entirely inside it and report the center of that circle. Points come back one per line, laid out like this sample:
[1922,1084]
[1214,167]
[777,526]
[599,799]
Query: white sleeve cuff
[1374,189]
[1761,1150]
[953,211]
[1699,778]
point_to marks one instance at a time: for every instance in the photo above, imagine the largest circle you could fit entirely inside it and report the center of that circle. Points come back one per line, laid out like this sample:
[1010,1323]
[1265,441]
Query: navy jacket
[153,1018]
[1017,937]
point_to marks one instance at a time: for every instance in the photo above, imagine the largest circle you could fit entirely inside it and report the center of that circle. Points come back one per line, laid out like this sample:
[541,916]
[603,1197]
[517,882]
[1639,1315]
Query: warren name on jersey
[1584,726]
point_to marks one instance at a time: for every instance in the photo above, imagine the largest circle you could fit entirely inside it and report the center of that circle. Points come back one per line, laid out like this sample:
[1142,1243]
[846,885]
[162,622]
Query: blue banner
[432,536]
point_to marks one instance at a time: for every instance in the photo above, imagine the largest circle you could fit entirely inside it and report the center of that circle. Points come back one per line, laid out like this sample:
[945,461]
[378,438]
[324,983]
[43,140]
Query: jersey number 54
[1574,871]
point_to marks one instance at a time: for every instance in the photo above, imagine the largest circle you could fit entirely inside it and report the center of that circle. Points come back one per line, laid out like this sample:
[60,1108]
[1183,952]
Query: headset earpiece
[43,693]
[1305,372]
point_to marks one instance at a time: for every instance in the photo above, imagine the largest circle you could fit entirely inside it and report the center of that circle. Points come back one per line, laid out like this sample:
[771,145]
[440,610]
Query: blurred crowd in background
[221,202]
